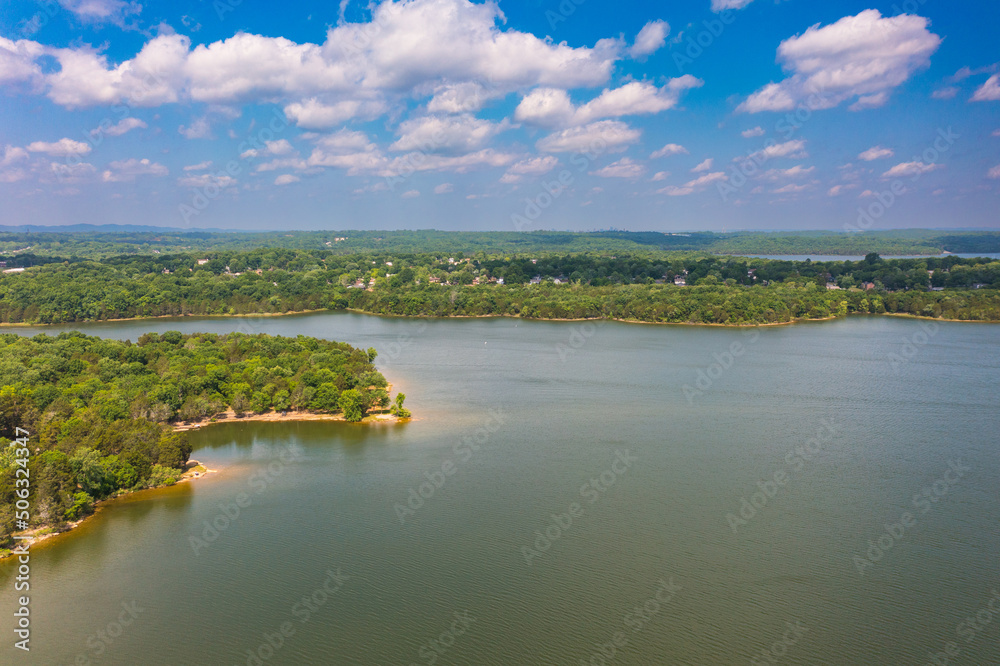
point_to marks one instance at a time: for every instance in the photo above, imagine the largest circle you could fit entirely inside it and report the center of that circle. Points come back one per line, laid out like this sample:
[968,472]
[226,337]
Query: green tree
[352,405]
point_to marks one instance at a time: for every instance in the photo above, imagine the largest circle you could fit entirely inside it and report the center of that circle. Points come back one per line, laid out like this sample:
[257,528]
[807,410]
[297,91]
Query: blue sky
[544,114]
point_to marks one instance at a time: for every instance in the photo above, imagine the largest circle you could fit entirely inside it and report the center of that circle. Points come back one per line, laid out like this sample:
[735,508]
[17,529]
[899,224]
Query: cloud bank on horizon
[732,115]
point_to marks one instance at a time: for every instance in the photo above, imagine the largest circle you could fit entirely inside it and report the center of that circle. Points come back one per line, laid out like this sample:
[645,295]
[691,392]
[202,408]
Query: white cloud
[444,188]
[751,133]
[125,125]
[947,92]
[101,11]
[60,148]
[669,149]
[125,171]
[318,115]
[294,162]
[696,185]
[910,169]
[722,5]
[703,166]
[279,147]
[199,129]
[875,153]
[989,91]
[836,190]
[461,134]
[551,107]
[783,174]
[411,194]
[875,101]
[18,61]
[863,56]
[650,39]
[72,173]
[532,166]
[606,135]
[994,173]
[623,168]
[795,149]
[203,180]
[201,166]
[12,154]
[465,97]
[660,175]
[286,179]
[791,188]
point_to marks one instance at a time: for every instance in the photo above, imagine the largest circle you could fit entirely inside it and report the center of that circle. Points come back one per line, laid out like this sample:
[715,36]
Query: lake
[823,493]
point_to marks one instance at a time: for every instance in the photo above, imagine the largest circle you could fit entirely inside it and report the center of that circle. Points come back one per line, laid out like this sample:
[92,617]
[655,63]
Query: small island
[107,417]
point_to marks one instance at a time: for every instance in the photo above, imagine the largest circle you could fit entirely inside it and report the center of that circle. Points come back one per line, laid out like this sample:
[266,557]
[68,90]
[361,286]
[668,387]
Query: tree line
[100,412]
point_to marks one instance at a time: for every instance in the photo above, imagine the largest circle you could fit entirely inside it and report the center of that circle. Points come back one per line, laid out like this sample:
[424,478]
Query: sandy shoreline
[230,417]
[193,470]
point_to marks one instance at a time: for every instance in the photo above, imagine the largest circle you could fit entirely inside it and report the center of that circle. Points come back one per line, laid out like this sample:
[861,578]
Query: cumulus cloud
[650,39]
[791,188]
[692,186]
[552,107]
[315,114]
[795,149]
[623,168]
[18,61]
[444,188]
[201,166]
[723,5]
[751,133]
[125,171]
[703,166]
[797,171]
[989,91]
[286,179]
[462,133]
[411,194]
[532,166]
[125,125]
[947,92]
[994,173]
[60,148]
[863,56]
[669,149]
[203,180]
[605,135]
[199,129]
[101,11]
[875,153]
[910,169]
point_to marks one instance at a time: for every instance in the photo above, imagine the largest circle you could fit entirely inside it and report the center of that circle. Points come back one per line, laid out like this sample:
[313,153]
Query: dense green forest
[99,412]
[90,242]
[586,285]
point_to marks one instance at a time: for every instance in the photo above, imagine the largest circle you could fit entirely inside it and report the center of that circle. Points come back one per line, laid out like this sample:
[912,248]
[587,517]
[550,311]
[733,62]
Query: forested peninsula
[100,414]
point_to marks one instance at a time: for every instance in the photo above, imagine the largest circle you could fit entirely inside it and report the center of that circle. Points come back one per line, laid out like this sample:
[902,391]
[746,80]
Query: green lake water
[590,513]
